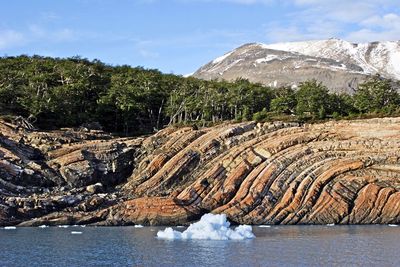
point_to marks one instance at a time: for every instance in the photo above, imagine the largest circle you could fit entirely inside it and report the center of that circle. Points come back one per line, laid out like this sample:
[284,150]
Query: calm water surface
[129,246]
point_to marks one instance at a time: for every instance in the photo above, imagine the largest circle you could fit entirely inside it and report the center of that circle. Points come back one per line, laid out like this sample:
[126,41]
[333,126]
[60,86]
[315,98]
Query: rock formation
[345,172]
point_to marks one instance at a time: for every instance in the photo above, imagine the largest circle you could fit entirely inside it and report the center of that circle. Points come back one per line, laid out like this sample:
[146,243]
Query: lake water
[372,245]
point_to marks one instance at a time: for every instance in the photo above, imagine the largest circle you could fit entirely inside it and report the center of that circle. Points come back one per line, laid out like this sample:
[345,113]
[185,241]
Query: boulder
[95,188]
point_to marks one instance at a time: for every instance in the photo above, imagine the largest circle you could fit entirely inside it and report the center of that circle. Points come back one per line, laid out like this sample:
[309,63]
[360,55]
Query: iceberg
[138,226]
[10,228]
[210,227]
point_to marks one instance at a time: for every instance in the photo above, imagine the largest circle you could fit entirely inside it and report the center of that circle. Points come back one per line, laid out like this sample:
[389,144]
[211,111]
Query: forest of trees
[53,92]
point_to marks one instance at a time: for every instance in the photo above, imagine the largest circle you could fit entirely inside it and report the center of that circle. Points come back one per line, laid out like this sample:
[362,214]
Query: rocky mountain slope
[340,65]
[268,173]
[376,57]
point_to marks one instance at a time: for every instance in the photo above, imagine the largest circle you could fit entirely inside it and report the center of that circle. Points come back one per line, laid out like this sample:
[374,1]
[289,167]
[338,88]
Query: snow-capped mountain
[375,57]
[340,65]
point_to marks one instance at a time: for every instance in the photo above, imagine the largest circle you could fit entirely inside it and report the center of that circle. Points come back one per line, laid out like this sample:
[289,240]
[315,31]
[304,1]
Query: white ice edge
[210,227]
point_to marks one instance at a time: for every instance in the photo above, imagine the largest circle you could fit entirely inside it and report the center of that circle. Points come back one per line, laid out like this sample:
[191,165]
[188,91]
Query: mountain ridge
[339,64]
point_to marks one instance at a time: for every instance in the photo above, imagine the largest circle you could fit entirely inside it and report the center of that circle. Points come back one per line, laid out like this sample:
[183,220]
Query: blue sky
[178,36]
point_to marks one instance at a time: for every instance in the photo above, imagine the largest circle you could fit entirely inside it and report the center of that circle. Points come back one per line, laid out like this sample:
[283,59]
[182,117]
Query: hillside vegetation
[54,92]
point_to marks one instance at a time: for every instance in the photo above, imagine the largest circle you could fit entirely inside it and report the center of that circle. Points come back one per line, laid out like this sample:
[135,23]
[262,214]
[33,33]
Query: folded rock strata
[345,172]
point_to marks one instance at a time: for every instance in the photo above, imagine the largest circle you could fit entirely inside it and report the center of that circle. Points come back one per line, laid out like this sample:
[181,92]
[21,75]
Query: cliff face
[273,173]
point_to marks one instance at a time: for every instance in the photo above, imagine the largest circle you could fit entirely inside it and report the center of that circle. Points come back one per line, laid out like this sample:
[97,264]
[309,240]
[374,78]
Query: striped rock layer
[271,173]
[345,172]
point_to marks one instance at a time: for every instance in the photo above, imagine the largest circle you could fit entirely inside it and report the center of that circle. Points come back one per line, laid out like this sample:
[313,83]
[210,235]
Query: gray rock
[95,188]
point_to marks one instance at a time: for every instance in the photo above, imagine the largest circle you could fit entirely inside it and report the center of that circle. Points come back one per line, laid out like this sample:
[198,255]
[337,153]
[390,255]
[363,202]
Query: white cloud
[368,35]
[248,2]
[10,38]
[39,33]
[354,20]
[386,21]
[148,54]
[346,11]
[357,20]
[378,28]
[241,2]
[35,33]
[63,35]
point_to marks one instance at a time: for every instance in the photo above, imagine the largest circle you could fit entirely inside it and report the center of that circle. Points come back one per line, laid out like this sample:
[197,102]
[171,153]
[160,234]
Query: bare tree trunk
[159,115]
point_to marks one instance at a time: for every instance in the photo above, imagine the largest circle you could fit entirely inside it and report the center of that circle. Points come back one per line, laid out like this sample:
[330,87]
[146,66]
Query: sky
[179,36]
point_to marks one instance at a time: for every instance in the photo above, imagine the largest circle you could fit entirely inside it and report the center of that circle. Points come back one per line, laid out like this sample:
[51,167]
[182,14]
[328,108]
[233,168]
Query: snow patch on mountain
[269,58]
[221,58]
[375,57]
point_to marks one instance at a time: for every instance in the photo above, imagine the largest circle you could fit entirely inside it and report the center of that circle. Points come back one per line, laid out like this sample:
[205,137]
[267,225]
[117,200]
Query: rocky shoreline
[345,172]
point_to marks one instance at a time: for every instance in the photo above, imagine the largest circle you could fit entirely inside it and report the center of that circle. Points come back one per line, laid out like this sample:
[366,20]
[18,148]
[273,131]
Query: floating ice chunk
[83,225]
[330,224]
[169,233]
[10,227]
[180,226]
[264,226]
[393,225]
[43,226]
[210,227]
[138,226]
[76,233]
[63,226]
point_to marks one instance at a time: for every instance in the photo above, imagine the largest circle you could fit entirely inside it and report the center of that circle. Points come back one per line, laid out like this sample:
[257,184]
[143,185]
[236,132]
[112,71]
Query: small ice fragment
[10,227]
[76,233]
[138,226]
[169,233]
[63,226]
[264,226]
[43,226]
[393,225]
[330,224]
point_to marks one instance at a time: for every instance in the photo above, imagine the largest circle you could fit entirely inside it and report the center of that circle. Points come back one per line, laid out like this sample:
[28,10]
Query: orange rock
[345,172]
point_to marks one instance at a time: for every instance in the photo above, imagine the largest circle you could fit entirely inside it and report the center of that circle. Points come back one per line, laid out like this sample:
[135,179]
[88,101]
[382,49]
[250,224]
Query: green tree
[285,101]
[375,94]
[313,99]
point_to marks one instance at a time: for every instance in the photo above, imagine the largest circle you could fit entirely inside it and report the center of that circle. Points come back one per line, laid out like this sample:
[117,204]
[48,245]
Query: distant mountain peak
[340,64]
[374,57]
